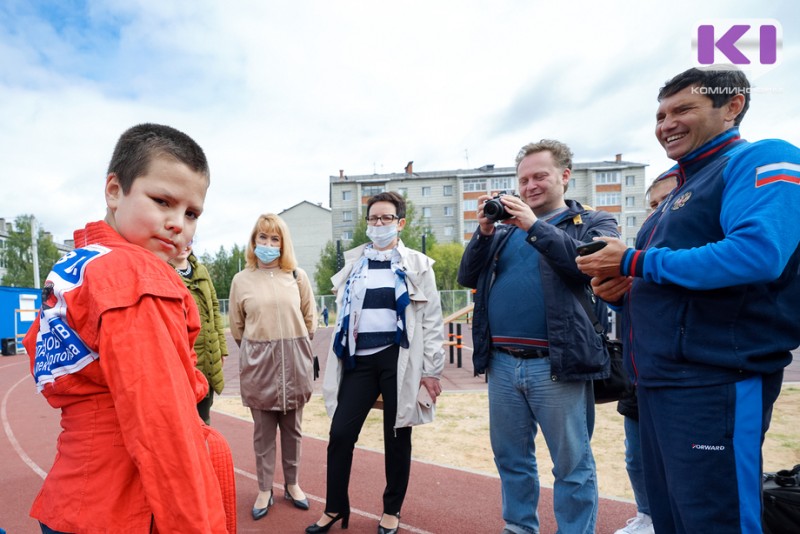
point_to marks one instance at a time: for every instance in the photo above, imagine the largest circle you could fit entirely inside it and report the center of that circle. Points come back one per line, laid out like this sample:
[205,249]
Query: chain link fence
[452,301]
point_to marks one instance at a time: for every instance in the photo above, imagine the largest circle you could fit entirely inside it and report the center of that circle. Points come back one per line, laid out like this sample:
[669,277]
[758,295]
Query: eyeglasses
[385,219]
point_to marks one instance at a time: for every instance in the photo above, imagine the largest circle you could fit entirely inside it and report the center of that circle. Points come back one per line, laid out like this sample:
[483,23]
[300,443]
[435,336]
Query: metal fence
[452,301]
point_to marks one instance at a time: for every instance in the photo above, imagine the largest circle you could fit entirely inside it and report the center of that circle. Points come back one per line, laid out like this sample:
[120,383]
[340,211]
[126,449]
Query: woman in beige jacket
[273,318]
[388,341]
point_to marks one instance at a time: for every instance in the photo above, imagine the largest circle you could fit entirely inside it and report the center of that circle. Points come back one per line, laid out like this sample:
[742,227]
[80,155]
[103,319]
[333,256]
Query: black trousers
[204,406]
[373,375]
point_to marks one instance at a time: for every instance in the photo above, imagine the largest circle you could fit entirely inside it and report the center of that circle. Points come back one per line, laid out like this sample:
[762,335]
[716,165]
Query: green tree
[222,266]
[18,257]
[326,268]
[411,236]
[414,230]
[448,258]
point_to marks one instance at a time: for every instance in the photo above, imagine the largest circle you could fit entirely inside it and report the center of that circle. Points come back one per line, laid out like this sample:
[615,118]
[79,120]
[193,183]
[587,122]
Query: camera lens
[491,208]
[494,210]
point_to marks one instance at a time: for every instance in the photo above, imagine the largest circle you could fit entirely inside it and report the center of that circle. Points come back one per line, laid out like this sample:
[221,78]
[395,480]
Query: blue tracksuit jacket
[716,296]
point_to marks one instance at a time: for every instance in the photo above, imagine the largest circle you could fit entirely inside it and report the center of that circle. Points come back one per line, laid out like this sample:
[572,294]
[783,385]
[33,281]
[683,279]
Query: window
[631,242]
[347,195]
[630,180]
[448,211]
[447,190]
[475,184]
[630,220]
[448,231]
[371,190]
[504,183]
[27,306]
[426,191]
[608,199]
[426,212]
[347,216]
[471,205]
[630,201]
[608,177]
[571,186]
[2,256]
[347,235]
[402,191]
[470,225]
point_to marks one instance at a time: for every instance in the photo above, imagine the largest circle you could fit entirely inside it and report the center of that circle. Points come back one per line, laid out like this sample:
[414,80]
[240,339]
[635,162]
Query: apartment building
[310,226]
[448,200]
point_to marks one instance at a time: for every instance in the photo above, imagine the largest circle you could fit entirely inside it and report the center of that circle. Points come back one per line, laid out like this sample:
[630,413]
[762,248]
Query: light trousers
[265,430]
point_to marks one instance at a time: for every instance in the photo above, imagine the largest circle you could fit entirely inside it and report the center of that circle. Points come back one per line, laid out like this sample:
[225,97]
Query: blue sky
[281,95]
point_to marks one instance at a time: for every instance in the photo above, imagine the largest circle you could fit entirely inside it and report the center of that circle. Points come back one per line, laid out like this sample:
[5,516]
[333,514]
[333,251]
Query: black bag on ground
[617,385]
[782,501]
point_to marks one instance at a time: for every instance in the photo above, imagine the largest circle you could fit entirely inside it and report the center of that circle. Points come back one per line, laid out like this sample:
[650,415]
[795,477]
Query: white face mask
[382,236]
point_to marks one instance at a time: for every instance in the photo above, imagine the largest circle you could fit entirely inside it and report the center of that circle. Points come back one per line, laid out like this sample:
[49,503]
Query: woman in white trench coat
[388,341]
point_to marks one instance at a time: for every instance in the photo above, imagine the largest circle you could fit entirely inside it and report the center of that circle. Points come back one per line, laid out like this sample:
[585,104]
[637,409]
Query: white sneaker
[641,524]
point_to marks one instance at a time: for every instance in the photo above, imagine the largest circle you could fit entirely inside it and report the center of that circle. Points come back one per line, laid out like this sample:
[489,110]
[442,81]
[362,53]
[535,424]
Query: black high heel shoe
[386,530]
[258,513]
[315,528]
[298,503]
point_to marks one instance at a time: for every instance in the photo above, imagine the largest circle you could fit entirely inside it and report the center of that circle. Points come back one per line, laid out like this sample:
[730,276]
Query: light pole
[35,252]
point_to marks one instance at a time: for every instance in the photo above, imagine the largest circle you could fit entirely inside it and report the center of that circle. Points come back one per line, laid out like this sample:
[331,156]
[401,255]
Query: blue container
[18,307]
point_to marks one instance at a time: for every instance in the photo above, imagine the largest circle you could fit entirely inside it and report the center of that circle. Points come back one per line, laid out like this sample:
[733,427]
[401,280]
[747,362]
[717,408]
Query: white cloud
[282,95]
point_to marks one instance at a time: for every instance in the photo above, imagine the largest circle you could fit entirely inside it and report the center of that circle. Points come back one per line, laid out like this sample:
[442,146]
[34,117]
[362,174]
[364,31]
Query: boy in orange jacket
[112,348]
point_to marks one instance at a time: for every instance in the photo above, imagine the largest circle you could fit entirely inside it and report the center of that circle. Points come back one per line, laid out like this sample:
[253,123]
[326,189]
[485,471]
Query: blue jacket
[716,294]
[576,351]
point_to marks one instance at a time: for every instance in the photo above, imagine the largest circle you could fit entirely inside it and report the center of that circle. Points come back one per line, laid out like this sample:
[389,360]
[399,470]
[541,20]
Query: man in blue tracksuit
[713,309]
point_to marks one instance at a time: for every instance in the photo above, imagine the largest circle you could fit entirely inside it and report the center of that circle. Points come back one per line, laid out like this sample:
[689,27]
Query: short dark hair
[139,145]
[389,196]
[723,84]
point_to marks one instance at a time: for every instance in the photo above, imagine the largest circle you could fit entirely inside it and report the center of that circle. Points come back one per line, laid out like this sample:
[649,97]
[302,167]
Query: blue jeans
[633,464]
[522,396]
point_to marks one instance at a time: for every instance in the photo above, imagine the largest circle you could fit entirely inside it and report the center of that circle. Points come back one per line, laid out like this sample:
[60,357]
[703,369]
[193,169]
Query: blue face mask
[267,254]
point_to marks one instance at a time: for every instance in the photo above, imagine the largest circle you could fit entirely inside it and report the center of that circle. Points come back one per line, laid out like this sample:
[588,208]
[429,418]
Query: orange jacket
[132,450]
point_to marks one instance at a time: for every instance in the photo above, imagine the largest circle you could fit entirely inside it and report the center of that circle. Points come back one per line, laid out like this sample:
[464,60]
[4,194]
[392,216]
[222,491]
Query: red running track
[440,499]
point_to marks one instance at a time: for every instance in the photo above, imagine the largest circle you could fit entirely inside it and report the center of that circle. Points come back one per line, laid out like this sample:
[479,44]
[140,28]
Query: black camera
[494,210]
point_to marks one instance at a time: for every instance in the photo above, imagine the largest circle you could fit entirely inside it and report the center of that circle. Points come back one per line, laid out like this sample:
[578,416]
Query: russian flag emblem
[777,172]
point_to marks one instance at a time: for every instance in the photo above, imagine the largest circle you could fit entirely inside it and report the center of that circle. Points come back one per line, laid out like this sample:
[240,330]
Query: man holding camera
[534,338]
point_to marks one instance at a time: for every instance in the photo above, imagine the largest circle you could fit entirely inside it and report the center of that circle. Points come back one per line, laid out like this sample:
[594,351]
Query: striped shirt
[377,326]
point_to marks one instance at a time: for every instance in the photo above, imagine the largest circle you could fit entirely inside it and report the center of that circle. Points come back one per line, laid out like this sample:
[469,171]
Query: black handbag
[781,498]
[617,385]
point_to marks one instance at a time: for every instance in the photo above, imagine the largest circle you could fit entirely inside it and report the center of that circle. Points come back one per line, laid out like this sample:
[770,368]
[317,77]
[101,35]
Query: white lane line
[10,434]
[39,471]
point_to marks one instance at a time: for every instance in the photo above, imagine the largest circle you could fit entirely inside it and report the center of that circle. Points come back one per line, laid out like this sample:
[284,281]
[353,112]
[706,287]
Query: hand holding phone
[424,398]
[584,249]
